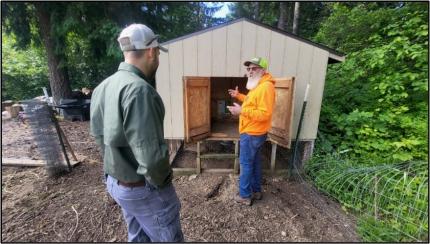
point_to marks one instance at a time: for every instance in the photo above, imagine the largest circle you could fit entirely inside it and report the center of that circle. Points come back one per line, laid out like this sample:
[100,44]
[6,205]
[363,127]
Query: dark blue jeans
[152,215]
[250,164]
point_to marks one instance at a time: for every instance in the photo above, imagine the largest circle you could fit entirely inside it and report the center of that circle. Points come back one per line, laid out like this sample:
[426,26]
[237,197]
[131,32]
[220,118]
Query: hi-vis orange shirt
[257,107]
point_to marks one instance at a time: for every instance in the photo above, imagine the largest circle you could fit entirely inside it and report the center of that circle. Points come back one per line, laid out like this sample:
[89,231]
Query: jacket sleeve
[240,97]
[265,102]
[143,128]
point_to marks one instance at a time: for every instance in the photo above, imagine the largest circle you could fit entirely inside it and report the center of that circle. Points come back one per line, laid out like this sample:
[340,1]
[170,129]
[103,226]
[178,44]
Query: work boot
[241,200]
[257,195]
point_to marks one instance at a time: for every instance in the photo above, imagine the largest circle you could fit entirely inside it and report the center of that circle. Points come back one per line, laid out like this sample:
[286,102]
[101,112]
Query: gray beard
[252,82]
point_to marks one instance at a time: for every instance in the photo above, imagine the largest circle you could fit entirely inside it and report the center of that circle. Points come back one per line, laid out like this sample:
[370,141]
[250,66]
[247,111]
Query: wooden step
[218,155]
[28,162]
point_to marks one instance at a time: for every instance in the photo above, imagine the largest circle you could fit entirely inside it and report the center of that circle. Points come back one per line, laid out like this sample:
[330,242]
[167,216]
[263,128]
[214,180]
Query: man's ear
[151,52]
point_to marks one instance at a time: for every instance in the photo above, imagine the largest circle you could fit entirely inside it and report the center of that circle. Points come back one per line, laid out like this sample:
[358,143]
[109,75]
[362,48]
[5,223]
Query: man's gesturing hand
[234,92]
[236,109]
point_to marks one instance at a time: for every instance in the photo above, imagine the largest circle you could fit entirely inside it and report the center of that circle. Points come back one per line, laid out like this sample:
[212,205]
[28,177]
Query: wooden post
[199,166]
[67,144]
[236,160]
[273,157]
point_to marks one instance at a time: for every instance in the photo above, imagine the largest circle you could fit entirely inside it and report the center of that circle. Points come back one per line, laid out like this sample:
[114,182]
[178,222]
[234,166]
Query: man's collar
[131,68]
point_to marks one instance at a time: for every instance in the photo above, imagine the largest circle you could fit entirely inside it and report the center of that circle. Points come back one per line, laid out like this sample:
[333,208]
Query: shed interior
[223,123]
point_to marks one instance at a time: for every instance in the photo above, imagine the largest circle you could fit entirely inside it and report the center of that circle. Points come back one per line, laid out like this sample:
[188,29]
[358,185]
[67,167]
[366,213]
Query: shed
[218,54]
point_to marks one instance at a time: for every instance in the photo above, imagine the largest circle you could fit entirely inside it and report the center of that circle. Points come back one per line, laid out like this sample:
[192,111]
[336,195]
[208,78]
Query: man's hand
[236,109]
[234,92]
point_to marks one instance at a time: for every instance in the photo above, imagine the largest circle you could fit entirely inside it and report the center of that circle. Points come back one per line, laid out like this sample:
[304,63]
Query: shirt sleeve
[143,128]
[265,102]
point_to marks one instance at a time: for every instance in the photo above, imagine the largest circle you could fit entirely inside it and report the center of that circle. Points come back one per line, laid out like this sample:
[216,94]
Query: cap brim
[163,48]
[247,63]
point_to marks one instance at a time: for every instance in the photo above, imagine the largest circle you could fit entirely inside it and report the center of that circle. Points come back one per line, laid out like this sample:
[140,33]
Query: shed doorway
[206,114]
[206,101]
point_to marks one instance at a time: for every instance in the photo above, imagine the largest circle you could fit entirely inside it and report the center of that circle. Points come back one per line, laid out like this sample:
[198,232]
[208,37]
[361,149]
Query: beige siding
[204,48]
[176,64]
[263,42]
[190,56]
[304,69]
[249,42]
[163,88]
[291,57]
[234,39]
[219,51]
[317,79]
[277,46]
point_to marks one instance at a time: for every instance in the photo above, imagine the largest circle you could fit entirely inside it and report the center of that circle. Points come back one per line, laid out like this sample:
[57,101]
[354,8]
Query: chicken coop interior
[223,123]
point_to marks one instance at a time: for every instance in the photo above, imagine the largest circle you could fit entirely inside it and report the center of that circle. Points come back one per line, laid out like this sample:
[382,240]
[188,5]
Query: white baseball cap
[137,37]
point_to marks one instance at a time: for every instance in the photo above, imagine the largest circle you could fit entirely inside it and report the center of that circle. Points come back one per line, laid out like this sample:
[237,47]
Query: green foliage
[391,199]
[311,14]
[24,72]
[375,102]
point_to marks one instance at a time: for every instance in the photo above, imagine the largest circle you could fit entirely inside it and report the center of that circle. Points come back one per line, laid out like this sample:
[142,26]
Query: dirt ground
[76,207]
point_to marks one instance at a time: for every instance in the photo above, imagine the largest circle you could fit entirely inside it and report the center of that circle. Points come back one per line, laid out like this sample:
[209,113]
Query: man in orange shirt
[255,116]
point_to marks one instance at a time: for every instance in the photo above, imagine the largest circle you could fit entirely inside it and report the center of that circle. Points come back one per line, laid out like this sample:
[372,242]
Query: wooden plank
[190,59]
[163,88]
[236,160]
[263,42]
[198,161]
[283,111]
[197,106]
[316,89]
[304,70]
[27,162]
[277,46]
[234,39]
[177,89]
[204,54]
[218,155]
[291,57]
[219,51]
[218,170]
[249,41]
[273,158]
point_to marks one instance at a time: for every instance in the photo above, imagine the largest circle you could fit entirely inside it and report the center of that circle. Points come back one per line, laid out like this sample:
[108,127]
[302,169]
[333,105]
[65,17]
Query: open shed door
[282,117]
[197,107]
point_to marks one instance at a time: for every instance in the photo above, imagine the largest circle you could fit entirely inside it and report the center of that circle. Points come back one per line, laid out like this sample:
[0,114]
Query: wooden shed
[213,59]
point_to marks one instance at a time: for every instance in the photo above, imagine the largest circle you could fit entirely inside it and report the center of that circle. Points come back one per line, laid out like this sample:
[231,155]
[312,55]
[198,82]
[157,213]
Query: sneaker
[257,195]
[244,201]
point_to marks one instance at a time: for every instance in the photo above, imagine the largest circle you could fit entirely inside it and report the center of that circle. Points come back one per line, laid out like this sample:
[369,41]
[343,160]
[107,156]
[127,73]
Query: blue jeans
[250,164]
[152,215]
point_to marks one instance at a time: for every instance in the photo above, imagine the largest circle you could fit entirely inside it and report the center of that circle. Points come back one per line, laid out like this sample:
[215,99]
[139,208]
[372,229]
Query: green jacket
[127,122]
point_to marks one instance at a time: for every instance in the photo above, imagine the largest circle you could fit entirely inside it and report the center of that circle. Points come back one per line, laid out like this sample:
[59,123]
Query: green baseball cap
[262,62]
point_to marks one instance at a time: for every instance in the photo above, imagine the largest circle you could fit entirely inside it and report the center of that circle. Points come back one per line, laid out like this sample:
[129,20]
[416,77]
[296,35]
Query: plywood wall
[221,52]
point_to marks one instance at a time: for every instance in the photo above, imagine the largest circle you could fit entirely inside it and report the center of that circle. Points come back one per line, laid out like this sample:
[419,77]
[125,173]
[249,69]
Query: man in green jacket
[127,122]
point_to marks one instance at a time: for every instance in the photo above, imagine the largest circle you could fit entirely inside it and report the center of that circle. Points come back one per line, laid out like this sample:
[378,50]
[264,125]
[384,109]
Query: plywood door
[197,107]
[283,112]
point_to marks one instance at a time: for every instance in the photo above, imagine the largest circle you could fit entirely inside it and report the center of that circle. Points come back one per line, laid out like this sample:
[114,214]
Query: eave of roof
[334,55]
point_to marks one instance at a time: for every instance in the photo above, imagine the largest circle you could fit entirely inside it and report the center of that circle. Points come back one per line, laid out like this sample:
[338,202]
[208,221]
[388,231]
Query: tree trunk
[296,18]
[257,11]
[58,78]
[282,16]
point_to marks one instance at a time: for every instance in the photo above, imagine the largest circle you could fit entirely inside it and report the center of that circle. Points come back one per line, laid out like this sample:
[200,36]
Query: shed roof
[334,55]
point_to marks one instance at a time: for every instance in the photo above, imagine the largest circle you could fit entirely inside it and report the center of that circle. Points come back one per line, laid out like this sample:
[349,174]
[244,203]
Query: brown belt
[132,184]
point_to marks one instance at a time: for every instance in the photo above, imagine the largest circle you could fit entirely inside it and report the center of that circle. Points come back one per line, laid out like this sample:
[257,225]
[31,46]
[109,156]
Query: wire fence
[390,200]
[42,123]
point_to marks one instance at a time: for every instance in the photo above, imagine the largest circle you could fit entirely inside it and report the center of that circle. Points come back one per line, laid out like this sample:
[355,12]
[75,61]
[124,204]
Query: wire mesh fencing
[391,201]
[46,134]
